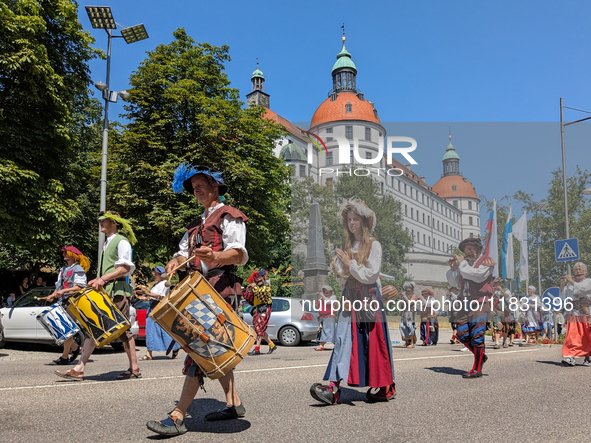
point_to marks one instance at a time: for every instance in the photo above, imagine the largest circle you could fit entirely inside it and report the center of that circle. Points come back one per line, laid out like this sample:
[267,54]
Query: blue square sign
[566,250]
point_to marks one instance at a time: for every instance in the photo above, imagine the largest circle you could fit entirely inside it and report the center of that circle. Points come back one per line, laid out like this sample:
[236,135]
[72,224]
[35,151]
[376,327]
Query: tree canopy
[44,102]
[183,109]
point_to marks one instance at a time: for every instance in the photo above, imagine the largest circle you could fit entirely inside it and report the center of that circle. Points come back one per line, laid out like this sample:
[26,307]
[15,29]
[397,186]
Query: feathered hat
[126,226]
[257,273]
[360,208]
[184,172]
[74,252]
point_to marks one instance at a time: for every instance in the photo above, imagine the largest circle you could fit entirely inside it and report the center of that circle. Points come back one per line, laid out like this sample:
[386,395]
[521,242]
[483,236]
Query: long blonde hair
[364,243]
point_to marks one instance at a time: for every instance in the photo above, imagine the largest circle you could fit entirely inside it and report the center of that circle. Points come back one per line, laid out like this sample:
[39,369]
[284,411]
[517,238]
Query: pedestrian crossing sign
[566,250]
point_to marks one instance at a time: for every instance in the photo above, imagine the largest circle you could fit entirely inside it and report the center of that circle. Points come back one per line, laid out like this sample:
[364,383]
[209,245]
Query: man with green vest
[114,267]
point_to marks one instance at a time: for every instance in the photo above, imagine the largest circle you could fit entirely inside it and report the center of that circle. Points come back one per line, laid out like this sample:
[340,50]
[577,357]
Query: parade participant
[362,355]
[258,294]
[532,321]
[157,340]
[68,279]
[407,325]
[502,303]
[453,296]
[217,239]
[114,267]
[576,294]
[326,315]
[473,275]
[429,323]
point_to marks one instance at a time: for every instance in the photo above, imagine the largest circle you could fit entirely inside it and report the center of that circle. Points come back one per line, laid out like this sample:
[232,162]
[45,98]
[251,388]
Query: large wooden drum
[205,326]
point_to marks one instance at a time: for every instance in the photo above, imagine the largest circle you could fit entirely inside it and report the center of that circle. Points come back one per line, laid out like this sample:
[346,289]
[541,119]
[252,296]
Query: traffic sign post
[566,250]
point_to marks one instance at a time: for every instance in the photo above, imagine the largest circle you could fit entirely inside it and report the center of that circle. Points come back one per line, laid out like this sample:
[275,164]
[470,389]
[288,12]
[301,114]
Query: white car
[21,325]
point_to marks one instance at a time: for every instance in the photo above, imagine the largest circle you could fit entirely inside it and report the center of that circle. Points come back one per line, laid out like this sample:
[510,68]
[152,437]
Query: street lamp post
[102,18]
[541,207]
[562,126]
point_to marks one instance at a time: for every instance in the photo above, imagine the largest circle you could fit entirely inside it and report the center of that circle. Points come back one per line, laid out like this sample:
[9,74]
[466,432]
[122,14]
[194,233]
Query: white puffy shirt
[366,275]
[233,236]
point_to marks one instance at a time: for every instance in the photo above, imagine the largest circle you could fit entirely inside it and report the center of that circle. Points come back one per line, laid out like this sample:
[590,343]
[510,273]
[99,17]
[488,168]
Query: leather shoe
[472,374]
[171,426]
[228,413]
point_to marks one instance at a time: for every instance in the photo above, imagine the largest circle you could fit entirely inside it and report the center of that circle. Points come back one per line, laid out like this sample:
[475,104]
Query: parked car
[141,307]
[292,321]
[21,325]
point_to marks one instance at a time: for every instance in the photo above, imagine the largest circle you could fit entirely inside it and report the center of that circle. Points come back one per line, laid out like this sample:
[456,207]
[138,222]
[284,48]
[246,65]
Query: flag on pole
[492,243]
[520,233]
[508,262]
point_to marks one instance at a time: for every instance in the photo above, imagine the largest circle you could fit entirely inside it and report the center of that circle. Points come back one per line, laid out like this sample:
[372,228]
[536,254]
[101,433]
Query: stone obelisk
[315,269]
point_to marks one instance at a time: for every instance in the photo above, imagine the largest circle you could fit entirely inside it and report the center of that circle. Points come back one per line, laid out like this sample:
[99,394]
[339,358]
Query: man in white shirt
[217,240]
[115,266]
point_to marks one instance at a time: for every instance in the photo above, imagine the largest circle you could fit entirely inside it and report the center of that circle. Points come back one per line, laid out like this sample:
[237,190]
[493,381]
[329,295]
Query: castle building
[437,217]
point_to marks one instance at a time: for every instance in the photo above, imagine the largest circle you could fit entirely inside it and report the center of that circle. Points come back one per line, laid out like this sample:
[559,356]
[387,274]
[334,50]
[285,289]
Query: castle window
[367,154]
[302,171]
[329,159]
[348,108]
[329,183]
[405,210]
[454,188]
[349,132]
[469,205]
[470,221]
[329,130]
[351,158]
[329,139]
[455,203]
[368,134]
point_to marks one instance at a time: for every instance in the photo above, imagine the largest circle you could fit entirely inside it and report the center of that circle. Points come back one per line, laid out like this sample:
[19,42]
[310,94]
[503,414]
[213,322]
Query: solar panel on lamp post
[101,17]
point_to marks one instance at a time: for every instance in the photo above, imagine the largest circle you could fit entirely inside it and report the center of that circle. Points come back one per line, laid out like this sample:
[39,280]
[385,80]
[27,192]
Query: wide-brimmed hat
[470,241]
[184,172]
[257,273]
[360,208]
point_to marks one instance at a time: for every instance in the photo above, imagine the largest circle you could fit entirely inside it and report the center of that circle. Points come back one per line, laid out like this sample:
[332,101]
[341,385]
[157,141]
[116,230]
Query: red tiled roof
[294,130]
[331,111]
[444,187]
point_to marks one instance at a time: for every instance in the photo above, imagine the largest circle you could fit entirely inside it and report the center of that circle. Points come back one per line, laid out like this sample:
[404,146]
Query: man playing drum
[217,240]
[115,266]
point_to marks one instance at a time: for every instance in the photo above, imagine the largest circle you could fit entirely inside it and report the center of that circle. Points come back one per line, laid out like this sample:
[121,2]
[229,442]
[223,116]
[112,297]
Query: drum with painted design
[98,315]
[205,326]
[58,323]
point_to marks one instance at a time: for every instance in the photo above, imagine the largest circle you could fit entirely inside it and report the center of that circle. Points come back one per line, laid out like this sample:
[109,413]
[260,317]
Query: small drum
[58,323]
[205,326]
[97,314]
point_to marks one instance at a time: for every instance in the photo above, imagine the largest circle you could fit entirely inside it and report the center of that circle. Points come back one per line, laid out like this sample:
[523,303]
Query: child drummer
[222,229]
[69,277]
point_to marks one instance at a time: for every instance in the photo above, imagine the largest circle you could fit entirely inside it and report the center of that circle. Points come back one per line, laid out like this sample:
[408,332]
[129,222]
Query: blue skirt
[156,339]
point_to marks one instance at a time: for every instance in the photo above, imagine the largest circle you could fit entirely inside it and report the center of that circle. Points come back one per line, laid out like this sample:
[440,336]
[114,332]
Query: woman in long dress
[362,355]
[532,321]
[157,340]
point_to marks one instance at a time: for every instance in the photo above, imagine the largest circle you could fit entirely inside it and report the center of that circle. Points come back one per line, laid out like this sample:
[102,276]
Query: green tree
[183,109]
[552,225]
[44,78]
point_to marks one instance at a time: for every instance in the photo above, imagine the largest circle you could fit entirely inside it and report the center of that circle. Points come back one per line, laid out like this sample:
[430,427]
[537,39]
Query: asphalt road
[525,395]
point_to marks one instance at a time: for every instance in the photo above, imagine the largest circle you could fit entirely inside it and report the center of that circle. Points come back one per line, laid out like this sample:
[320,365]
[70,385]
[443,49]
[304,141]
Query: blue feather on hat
[182,173]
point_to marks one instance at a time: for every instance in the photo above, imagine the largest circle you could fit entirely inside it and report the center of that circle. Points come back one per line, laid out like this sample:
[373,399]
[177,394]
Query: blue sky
[456,64]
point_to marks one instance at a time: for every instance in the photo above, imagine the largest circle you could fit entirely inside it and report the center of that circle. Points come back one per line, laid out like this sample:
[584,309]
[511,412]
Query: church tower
[258,96]
[451,161]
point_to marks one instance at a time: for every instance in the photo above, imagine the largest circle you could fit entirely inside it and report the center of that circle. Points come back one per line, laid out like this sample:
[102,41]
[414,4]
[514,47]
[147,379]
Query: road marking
[245,371]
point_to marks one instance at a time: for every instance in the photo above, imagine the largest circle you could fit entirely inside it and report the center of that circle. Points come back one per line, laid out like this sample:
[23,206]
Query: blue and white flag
[507,261]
